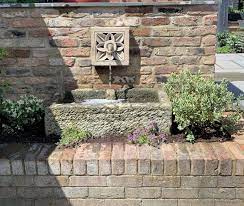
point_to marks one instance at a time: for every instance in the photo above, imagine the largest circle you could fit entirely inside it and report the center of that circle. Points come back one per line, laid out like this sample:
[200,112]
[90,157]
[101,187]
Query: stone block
[196,202]
[88,181]
[124,181]
[161,181]
[5,167]
[106,192]
[117,159]
[131,157]
[170,159]
[122,202]
[70,192]
[159,202]
[198,181]
[183,160]
[217,193]
[179,193]
[143,193]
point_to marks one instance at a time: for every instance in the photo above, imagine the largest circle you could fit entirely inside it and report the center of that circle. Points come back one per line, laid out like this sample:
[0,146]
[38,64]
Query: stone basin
[139,108]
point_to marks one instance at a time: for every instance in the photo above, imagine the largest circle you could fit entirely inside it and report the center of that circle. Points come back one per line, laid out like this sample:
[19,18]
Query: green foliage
[23,113]
[3,53]
[224,50]
[71,135]
[199,102]
[229,42]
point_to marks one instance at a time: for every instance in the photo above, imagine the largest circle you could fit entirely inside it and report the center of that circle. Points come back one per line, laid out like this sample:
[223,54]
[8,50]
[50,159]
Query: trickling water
[110,75]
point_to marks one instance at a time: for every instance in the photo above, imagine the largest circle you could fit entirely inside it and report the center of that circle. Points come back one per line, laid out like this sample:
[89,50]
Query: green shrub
[3,53]
[230,43]
[71,135]
[199,103]
[224,50]
[23,113]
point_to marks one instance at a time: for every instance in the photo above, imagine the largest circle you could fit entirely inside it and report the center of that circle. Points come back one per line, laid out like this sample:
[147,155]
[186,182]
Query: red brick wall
[49,48]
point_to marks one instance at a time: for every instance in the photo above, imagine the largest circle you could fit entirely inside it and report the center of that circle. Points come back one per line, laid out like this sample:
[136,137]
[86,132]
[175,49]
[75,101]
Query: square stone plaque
[110,46]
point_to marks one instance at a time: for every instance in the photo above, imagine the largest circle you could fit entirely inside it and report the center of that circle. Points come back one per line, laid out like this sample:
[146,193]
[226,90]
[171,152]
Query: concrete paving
[229,66]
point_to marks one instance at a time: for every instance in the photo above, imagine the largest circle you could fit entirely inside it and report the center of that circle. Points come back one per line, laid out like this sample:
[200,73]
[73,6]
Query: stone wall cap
[105,4]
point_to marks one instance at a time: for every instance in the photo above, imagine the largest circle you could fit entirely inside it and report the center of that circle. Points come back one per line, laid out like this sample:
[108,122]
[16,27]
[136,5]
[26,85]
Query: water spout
[110,75]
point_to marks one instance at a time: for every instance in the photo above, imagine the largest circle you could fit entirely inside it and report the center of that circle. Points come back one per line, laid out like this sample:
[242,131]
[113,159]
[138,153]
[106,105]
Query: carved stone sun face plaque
[110,46]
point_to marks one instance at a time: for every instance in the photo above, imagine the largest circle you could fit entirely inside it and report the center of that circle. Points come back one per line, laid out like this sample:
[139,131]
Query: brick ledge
[124,159]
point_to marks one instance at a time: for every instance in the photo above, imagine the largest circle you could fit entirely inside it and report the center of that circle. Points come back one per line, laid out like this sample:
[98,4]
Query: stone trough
[110,112]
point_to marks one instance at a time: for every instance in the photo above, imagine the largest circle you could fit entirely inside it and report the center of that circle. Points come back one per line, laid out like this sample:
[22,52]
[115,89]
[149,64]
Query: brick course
[207,181]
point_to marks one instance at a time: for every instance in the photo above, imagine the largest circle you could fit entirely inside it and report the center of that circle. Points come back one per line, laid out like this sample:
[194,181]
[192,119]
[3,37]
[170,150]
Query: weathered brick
[7,192]
[118,163]
[124,181]
[17,167]
[210,19]
[157,42]
[86,202]
[238,155]
[66,162]
[54,162]
[63,42]
[195,202]
[170,160]
[239,193]
[34,192]
[183,160]
[197,160]
[159,202]
[143,192]
[155,21]
[209,40]
[141,32]
[229,202]
[231,181]
[225,160]
[75,52]
[144,159]
[217,193]
[5,167]
[208,60]
[122,202]
[131,157]
[186,41]
[179,193]
[211,160]
[83,62]
[27,22]
[198,181]
[157,161]
[153,61]
[185,20]
[70,192]
[161,181]
[91,157]
[51,181]
[88,181]
[79,162]
[106,192]
[104,158]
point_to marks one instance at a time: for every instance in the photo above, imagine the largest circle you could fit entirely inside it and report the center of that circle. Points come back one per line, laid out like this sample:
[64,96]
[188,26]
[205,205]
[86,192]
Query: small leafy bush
[71,135]
[199,103]
[3,53]
[149,135]
[230,43]
[23,113]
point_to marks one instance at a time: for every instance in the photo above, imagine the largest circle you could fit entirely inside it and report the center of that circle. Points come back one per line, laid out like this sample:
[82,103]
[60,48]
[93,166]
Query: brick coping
[106,4]
[117,158]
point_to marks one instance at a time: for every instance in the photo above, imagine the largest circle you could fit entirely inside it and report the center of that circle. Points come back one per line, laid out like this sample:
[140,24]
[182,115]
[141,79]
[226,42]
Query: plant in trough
[199,103]
[148,135]
[72,135]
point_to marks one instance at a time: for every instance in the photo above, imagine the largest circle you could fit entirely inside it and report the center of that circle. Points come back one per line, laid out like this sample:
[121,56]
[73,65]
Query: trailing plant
[23,113]
[72,135]
[148,135]
[199,103]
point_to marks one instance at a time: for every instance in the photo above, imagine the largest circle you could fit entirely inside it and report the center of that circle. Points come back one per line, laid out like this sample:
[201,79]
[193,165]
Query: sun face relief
[110,46]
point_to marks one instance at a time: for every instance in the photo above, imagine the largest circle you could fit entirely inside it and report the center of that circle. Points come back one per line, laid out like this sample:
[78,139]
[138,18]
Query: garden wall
[48,45]
[109,174]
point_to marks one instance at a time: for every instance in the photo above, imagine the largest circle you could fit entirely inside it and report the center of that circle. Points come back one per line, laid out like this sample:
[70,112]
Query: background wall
[49,48]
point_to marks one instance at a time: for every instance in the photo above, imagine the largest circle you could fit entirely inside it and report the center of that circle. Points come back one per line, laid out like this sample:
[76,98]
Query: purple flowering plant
[149,135]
